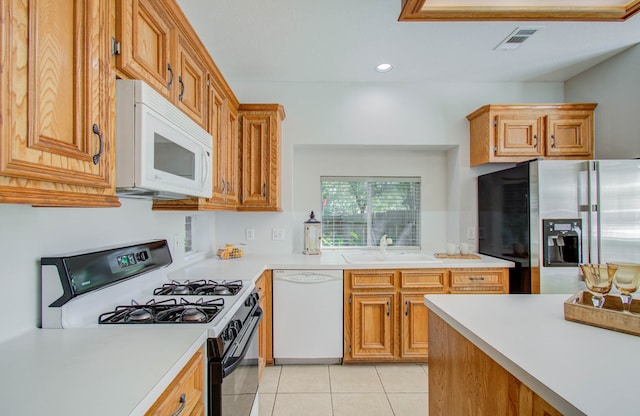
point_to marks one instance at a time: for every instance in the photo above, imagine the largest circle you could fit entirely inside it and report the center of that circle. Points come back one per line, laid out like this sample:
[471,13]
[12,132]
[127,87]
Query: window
[358,211]
[189,247]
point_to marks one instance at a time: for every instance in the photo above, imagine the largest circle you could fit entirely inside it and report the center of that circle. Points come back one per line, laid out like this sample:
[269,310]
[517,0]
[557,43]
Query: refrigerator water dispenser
[562,242]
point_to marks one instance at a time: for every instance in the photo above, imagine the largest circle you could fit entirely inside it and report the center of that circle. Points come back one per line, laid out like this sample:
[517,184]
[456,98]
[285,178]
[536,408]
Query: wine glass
[626,279]
[598,278]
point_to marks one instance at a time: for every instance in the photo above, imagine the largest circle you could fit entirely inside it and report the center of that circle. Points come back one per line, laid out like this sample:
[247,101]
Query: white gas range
[128,286]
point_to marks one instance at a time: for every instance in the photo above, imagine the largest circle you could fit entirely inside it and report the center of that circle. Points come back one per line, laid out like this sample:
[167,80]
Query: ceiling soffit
[518,10]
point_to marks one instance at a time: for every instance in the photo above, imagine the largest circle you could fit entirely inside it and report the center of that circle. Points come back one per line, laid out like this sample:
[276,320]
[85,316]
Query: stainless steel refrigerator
[550,216]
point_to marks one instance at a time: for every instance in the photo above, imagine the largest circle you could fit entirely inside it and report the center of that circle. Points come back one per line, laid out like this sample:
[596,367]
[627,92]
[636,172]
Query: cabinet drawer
[479,280]
[371,279]
[431,281]
[188,383]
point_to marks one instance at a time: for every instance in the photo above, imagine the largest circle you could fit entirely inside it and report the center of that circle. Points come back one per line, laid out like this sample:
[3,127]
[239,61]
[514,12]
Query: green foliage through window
[358,211]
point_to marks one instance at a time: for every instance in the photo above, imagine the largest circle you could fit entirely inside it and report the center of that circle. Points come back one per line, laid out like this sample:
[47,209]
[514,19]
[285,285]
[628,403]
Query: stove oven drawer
[184,395]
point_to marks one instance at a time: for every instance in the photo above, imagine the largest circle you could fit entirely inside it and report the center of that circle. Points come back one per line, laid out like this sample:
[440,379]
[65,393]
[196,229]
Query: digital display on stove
[126,260]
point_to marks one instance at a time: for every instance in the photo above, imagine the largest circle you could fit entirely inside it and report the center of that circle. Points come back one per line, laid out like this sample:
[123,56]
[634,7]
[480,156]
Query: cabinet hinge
[349,349]
[115,47]
[349,299]
[495,121]
[495,150]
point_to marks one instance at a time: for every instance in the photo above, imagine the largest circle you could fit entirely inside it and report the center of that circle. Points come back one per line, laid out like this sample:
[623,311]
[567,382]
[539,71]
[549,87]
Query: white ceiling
[342,41]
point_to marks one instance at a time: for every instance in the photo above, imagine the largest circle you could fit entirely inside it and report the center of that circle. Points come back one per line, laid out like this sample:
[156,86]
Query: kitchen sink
[399,257]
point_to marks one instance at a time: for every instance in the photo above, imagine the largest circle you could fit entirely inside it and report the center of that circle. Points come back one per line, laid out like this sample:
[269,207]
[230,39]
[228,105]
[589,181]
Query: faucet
[384,242]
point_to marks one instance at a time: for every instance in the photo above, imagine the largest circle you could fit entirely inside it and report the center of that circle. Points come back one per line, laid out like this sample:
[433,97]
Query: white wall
[27,234]
[614,85]
[430,116]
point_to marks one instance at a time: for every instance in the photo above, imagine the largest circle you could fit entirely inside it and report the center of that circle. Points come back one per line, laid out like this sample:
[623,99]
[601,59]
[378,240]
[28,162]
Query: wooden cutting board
[457,256]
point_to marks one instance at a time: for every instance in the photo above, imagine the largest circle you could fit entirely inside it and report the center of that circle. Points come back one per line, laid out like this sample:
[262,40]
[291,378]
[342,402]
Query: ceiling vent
[517,37]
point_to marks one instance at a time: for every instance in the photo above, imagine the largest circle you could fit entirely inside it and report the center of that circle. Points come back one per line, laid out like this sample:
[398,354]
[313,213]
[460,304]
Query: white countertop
[120,371]
[577,368]
[251,266]
[102,371]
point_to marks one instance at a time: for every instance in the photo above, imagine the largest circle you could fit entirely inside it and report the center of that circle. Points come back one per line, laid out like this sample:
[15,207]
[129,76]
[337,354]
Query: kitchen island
[515,354]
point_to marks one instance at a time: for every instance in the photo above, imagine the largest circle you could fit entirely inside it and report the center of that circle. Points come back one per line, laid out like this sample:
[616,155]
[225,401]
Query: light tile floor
[349,390]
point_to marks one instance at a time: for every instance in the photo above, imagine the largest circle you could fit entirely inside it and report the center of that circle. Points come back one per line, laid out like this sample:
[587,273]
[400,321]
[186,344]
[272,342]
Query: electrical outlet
[176,243]
[250,234]
[471,233]
[277,234]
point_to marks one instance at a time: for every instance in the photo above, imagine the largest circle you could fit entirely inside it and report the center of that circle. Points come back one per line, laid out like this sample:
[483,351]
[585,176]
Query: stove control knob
[251,300]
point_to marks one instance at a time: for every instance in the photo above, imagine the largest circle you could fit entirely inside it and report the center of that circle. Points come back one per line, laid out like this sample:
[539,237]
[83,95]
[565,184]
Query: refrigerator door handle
[594,213]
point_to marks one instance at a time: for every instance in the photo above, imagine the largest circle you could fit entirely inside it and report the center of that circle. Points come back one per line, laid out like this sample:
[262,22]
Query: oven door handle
[231,362]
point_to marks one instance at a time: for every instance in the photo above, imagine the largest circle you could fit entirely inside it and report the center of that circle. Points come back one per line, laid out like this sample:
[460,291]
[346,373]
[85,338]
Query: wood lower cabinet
[57,103]
[372,326]
[479,280]
[184,394]
[260,137]
[385,316]
[481,386]
[415,326]
[264,286]
[520,132]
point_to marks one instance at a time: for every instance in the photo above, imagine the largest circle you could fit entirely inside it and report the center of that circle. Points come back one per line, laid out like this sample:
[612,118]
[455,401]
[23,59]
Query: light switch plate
[250,234]
[277,234]
[471,233]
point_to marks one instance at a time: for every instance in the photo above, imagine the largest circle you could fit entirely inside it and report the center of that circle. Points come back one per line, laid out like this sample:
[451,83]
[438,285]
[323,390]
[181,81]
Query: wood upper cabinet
[191,90]
[146,34]
[57,103]
[260,136]
[516,133]
[185,391]
[156,45]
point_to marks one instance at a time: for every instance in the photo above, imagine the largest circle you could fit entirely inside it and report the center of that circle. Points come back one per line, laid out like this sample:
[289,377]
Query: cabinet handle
[170,83]
[479,279]
[264,190]
[388,308]
[406,309]
[535,140]
[96,157]
[553,141]
[181,88]
[183,401]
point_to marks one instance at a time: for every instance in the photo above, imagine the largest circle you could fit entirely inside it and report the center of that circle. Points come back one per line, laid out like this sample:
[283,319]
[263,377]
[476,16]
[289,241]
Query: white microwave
[160,152]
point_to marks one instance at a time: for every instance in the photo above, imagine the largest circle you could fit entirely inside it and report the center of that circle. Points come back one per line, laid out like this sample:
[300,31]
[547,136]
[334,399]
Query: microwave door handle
[206,167]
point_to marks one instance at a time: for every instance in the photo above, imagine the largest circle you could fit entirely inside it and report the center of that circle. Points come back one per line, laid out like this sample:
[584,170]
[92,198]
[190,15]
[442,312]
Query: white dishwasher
[307,316]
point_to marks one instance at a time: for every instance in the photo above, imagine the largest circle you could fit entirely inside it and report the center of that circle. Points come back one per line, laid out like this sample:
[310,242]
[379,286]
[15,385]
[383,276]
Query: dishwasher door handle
[306,278]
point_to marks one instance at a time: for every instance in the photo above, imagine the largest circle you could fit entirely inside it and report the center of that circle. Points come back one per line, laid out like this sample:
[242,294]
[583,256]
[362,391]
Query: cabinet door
[191,74]
[184,391]
[518,134]
[217,118]
[57,99]
[415,326]
[145,32]
[232,170]
[372,325]
[260,156]
[569,134]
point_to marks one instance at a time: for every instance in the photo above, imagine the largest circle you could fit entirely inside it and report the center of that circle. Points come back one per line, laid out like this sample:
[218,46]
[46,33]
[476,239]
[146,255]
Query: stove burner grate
[164,311]
[200,287]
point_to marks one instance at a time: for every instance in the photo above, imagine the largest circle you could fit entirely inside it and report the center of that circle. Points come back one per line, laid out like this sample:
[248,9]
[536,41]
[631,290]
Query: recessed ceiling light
[384,67]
